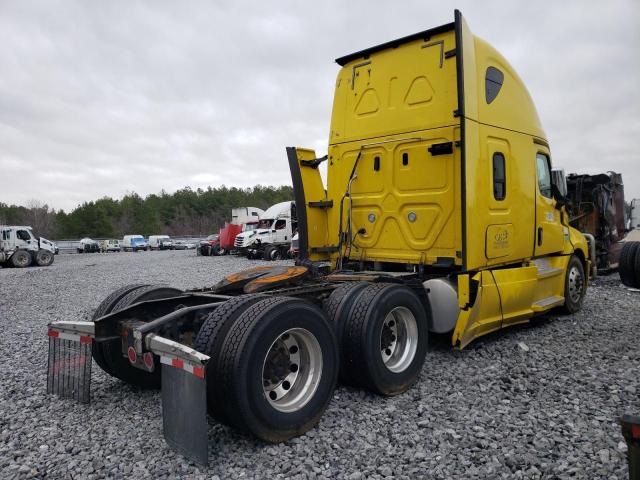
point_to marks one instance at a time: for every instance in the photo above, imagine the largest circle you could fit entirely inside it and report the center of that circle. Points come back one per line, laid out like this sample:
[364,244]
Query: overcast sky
[98,98]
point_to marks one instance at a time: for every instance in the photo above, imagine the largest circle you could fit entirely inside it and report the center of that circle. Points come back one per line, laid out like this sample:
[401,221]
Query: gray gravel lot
[492,410]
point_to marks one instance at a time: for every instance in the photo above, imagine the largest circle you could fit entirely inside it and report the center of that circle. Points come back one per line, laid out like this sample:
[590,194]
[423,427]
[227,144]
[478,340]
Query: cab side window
[499,177]
[280,224]
[544,174]
[23,235]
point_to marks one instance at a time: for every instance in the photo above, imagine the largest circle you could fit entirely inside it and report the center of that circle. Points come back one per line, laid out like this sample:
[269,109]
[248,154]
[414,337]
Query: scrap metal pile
[597,207]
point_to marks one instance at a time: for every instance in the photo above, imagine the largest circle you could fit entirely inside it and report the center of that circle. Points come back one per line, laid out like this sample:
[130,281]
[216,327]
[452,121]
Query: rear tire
[119,365]
[636,268]
[627,263]
[44,258]
[106,307]
[210,340]
[385,339]
[278,368]
[21,259]
[575,286]
[337,307]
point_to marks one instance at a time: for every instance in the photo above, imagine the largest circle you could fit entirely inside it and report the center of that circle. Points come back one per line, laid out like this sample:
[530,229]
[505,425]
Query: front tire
[385,339]
[268,252]
[575,286]
[278,368]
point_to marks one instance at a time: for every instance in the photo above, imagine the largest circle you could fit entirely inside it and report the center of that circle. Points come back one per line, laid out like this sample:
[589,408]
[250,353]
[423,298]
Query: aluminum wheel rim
[576,283]
[399,339]
[291,370]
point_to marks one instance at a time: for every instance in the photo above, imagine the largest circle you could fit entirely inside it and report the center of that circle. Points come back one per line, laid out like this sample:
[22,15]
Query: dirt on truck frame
[439,215]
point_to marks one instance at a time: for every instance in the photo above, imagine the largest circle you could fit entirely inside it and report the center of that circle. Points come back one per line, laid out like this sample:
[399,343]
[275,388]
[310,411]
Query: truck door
[281,234]
[23,238]
[549,236]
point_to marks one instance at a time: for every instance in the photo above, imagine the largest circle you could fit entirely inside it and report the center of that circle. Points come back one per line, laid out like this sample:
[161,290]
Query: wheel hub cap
[399,339]
[576,283]
[291,370]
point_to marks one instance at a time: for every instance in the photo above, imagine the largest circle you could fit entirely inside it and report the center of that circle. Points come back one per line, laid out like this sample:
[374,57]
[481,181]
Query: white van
[160,242]
[133,243]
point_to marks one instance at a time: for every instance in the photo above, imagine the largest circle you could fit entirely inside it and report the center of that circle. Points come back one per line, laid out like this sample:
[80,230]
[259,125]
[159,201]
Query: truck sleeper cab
[439,215]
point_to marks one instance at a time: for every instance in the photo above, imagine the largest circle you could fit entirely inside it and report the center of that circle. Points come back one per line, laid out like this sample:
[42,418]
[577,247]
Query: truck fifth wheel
[439,215]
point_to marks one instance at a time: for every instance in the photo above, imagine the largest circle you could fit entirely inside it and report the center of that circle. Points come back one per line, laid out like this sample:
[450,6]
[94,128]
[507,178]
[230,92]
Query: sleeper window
[492,83]
[499,177]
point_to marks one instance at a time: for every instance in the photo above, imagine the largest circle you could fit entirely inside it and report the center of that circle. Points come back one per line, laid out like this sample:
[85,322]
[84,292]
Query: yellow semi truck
[439,215]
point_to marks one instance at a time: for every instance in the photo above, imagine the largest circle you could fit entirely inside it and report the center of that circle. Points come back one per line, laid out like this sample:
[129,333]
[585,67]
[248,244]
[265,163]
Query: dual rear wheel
[274,361]
[273,367]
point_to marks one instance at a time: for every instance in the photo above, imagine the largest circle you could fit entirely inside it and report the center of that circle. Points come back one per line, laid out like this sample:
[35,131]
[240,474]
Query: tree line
[185,212]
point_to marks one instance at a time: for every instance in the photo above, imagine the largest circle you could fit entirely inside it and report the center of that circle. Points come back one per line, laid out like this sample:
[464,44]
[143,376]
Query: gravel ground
[493,410]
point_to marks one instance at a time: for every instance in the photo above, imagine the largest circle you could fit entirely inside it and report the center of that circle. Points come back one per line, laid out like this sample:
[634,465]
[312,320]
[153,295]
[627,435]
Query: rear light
[131,353]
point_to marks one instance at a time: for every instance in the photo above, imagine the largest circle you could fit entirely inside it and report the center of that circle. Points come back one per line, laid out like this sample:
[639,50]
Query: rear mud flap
[184,409]
[69,369]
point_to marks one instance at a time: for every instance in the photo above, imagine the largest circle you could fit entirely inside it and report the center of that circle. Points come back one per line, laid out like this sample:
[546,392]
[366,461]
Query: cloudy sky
[101,98]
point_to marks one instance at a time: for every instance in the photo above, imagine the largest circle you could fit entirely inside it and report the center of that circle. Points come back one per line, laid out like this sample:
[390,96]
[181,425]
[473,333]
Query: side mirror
[561,200]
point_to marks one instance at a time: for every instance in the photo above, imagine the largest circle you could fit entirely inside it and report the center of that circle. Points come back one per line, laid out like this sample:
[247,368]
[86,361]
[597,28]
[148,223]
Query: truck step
[546,303]
[545,270]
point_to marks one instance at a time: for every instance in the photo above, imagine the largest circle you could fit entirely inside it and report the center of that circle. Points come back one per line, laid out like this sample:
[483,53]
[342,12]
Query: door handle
[539,236]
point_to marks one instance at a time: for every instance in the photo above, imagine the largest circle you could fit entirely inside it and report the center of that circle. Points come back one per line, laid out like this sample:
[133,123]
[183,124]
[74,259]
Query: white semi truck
[19,247]
[242,215]
[271,240]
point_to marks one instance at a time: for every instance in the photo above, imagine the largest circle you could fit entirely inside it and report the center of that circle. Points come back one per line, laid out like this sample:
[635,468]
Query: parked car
[87,245]
[133,243]
[183,245]
[209,246]
[111,245]
[160,242]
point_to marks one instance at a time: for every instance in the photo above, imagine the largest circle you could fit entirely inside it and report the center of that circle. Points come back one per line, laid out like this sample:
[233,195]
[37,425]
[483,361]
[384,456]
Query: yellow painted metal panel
[317,227]
[404,89]
[513,107]
[517,288]
[484,316]
[404,200]
[499,240]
